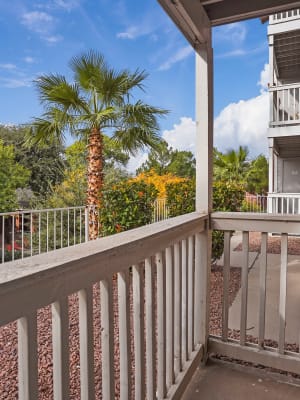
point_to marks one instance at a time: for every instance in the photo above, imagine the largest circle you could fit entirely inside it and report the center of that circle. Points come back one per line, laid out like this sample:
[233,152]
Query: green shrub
[227,196]
[128,205]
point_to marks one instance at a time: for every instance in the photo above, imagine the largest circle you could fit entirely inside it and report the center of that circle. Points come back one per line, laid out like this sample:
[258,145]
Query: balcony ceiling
[194,17]
[287,55]
[288,146]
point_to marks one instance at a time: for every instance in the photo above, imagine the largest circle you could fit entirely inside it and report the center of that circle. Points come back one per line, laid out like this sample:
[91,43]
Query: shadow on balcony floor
[223,381]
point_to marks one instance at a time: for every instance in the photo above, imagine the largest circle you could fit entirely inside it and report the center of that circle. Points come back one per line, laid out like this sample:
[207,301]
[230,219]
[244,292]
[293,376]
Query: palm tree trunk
[95,180]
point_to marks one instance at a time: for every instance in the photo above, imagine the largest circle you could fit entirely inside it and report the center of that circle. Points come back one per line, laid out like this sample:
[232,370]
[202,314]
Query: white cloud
[38,21]
[136,161]
[53,39]
[234,33]
[67,4]
[244,123]
[29,60]
[131,33]
[180,55]
[8,66]
[13,83]
[264,77]
[183,135]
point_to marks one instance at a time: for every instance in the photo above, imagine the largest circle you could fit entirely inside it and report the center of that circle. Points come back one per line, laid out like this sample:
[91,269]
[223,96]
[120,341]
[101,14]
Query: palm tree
[232,165]
[100,98]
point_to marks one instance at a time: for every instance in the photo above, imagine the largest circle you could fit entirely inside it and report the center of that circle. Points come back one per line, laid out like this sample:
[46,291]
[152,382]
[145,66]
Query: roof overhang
[195,17]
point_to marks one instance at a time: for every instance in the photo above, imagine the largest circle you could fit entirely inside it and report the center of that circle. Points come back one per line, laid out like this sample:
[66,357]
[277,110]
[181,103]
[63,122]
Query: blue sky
[39,37]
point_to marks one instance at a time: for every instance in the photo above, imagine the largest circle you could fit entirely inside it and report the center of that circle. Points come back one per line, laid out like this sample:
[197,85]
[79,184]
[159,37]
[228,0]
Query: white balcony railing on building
[286,105]
[284,16]
[284,203]
[142,293]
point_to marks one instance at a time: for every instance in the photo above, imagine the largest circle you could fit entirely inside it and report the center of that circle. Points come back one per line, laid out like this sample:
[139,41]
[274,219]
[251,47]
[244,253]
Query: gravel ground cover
[274,244]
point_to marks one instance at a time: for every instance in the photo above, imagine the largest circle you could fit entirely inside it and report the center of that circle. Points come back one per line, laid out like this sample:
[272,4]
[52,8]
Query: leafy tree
[231,166]
[12,176]
[257,177]
[99,98]
[46,164]
[164,160]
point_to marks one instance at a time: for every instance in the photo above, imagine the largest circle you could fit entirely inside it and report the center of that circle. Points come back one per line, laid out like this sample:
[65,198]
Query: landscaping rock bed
[274,243]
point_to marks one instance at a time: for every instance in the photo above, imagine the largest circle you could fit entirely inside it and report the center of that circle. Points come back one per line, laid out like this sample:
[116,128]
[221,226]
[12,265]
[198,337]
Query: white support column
[271,165]
[271,77]
[204,165]
[204,127]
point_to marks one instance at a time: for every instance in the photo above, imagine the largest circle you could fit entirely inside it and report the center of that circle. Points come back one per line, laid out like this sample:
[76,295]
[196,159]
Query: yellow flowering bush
[159,181]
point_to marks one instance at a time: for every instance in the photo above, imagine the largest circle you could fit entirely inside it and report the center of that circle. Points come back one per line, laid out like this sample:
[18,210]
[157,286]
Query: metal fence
[31,232]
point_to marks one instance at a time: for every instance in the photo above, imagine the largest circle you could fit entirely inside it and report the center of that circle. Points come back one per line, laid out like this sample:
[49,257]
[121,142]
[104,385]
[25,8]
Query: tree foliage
[164,160]
[46,164]
[12,176]
[127,205]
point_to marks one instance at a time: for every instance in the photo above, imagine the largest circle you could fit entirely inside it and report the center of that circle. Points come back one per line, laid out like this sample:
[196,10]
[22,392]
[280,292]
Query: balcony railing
[143,292]
[250,343]
[286,105]
[31,232]
[284,203]
[284,16]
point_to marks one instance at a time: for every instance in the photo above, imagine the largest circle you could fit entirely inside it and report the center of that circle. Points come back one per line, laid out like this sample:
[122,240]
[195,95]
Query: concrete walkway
[272,297]
[223,381]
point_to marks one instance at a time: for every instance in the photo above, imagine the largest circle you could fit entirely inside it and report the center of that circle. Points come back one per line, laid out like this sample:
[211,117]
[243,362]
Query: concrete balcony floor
[226,381]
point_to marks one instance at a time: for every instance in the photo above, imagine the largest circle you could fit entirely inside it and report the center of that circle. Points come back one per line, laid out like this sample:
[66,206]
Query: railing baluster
[177,309]
[138,325]
[60,335]
[22,238]
[124,335]
[54,230]
[226,276]
[31,234]
[244,288]
[3,236]
[13,238]
[161,327]
[28,358]
[169,318]
[150,333]
[47,231]
[39,236]
[107,341]
[74,227]
[80,224]
[86,343]
[262,289]
[68,227]
[190,295]
[184,321]
[282,294]
[61,229]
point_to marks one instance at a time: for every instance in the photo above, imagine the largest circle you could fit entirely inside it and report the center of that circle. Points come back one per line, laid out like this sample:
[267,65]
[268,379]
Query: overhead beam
[237,10]
[191,18]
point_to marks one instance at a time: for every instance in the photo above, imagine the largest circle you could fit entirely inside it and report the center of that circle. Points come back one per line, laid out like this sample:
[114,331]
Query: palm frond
[88,69]
[139,127]
[55,89]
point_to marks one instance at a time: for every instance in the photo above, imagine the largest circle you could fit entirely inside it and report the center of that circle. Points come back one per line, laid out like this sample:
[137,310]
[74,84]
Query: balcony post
[204,162]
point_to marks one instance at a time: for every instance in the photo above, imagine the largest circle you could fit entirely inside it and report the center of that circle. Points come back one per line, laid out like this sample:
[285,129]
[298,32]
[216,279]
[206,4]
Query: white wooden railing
[286,105]
[247,348]
[284,16]
[284,203]
[152,288]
